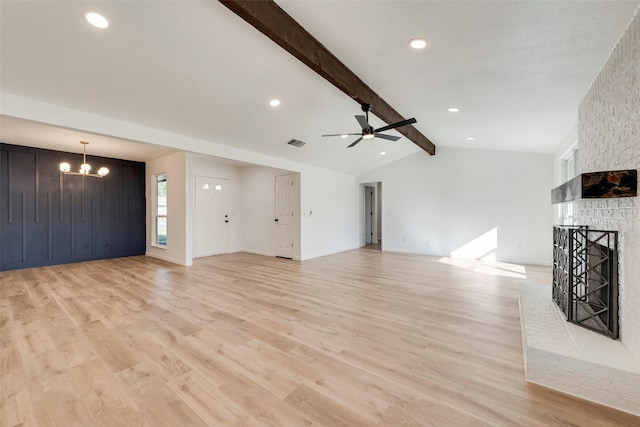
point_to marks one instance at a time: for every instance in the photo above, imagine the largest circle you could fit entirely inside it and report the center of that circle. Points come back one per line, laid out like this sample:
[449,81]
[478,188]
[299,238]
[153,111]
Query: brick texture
[609,139]
[568,358]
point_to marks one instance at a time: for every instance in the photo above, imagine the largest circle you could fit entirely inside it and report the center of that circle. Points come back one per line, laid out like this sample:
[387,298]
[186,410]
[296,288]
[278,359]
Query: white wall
[314,181]
[251,203]
[252,207]
[330,221]
[259,210]
[178,201]
[609,139]
[436,205]
[379,210]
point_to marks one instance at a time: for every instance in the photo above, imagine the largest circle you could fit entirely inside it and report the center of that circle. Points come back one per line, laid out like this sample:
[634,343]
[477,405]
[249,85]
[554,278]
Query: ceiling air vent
[296,143]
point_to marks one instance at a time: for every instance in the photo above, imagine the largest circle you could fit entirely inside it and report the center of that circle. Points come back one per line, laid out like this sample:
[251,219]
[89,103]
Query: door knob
[276,219]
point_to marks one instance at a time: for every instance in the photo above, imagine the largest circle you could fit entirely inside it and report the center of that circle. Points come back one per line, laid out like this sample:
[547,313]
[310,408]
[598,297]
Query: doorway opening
[372,220]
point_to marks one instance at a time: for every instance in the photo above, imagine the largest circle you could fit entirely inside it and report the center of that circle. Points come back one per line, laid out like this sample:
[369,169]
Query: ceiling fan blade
[397,125]
[355,142]
[389,137]
[340,134]
[362,120]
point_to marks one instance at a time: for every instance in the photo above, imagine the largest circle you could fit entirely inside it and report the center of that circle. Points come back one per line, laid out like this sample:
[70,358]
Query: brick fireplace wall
[609,139]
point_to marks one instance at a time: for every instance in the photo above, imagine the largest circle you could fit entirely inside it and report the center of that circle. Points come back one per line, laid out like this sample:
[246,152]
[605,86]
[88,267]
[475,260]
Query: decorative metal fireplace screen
[585,277]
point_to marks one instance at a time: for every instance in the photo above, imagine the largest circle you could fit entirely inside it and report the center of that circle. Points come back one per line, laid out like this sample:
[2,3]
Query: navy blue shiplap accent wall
[48,218]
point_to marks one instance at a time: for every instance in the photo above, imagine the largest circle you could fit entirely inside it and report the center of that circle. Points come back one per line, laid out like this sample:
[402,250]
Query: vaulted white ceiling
[517,71]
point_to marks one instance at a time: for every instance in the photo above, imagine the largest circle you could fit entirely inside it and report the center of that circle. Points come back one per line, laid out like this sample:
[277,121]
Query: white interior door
[284,216]
[211,216]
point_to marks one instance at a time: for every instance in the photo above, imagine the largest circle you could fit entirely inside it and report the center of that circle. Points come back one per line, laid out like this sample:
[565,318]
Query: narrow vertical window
[161,210]
[569,170]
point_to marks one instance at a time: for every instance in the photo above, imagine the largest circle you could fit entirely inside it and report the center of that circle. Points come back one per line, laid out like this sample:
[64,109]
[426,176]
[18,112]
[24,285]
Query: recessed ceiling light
[274,102]
[344,136]
[96,20]
[418,43]
[383,153]
[453,110]
[470,138]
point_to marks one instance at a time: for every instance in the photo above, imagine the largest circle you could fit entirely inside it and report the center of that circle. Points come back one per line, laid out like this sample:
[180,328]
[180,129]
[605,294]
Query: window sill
[154,245]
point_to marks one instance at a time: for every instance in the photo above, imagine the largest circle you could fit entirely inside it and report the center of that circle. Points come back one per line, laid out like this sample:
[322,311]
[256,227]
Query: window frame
[158,213]
[569,170]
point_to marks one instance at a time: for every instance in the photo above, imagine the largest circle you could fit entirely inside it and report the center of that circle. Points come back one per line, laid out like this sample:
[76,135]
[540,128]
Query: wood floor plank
[358,338]
[324,410]
[211,404]
[110,347]
[106,400]
[159,405]
[57,402]
[152,351]
[238,359]
[262,404]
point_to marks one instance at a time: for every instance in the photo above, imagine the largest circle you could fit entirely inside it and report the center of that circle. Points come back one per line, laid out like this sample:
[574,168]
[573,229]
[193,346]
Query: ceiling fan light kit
[369,132]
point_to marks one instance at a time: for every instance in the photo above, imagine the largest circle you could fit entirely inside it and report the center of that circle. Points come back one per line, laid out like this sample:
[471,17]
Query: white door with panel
[284,216]
[211,216]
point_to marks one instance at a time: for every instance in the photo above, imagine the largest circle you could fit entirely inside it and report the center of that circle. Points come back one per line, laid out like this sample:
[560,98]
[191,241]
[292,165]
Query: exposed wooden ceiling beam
[268,18]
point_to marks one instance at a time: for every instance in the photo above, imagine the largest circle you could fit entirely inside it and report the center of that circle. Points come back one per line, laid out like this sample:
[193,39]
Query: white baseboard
[263,253]
[510,261]
[321,254]
[169,259]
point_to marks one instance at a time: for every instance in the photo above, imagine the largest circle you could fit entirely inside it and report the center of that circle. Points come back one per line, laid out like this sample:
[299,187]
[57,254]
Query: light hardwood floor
[355,339]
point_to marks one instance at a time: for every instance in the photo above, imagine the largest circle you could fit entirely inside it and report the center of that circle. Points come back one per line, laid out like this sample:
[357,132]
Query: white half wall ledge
[568,358]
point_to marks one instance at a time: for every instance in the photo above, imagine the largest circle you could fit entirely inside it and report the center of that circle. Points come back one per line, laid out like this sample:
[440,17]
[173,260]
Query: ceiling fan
[369,132]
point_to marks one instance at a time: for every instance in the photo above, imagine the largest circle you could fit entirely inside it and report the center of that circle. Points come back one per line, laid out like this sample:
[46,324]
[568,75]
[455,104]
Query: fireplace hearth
[585,277]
